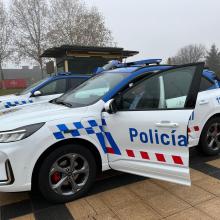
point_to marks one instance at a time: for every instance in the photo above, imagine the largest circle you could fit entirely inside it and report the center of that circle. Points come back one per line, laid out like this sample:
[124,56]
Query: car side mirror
[111,106]
[37,93]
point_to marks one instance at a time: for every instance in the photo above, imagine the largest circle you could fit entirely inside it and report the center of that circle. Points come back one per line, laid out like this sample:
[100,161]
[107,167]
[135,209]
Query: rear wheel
[67,173]
[210,137]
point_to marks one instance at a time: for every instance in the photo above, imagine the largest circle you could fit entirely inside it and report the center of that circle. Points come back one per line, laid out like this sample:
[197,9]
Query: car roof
[206,72]
[136,68]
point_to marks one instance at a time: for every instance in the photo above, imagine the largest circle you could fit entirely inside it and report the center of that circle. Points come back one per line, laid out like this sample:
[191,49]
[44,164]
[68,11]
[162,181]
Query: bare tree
[30,19]
[5,37]
[72,22]
[189,54]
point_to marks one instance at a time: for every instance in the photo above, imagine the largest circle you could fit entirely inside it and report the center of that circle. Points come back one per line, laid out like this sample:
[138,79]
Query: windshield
[92,90]
[31,87]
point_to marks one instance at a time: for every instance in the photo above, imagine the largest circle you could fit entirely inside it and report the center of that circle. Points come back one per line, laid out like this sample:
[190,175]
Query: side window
[205,84]
[163,91]
[145,95]
[54,87]
[177,84]
[74,82]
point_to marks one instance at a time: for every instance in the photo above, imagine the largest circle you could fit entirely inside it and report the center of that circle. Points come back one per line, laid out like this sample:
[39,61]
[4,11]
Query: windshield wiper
[69,105]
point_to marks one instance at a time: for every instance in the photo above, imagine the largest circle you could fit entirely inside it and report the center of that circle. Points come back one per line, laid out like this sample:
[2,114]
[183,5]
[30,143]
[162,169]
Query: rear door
[148,134]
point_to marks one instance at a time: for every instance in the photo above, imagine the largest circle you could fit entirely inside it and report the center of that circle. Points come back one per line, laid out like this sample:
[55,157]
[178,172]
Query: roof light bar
[113,64]
[145,62]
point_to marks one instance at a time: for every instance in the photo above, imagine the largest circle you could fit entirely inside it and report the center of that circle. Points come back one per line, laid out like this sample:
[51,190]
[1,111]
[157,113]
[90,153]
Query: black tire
[206,138]
[44,178]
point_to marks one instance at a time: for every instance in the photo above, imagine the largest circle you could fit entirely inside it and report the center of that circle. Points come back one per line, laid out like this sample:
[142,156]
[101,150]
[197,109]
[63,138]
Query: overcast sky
[159,28]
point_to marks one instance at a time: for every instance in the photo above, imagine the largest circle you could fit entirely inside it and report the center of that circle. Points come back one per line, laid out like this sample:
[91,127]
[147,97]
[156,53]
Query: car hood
[7,97]
[32,114]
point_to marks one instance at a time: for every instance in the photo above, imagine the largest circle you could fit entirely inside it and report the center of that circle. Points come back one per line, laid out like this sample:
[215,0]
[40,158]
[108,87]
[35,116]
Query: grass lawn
[8,91]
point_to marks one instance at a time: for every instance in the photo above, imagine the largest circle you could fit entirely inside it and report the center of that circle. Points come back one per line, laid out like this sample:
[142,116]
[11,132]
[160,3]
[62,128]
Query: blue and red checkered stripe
[90,127]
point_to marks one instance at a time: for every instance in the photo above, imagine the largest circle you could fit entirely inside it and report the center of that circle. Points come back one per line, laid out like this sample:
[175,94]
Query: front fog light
[19,133]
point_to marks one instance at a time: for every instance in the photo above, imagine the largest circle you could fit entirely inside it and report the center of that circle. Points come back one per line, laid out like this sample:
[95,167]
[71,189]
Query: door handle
[167,124]
[203,102]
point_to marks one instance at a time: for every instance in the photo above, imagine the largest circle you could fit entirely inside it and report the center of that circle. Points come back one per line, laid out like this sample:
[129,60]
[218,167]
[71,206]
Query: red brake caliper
[56,177]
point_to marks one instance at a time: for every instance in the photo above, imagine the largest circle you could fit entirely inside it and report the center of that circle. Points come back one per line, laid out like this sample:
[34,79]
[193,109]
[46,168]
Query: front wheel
[67,173]
[210,137]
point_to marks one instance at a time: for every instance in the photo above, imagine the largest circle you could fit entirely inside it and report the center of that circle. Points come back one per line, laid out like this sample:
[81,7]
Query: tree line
[28,27]
[197,52]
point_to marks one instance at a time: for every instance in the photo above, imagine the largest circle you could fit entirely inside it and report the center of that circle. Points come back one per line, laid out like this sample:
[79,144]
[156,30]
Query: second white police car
[43,91]
[139,119]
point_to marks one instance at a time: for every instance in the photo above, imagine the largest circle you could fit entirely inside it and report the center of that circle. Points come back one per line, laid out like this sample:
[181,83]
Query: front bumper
[18,159]
[12,169]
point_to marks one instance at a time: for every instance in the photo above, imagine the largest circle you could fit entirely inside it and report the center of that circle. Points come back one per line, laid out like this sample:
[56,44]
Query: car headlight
[19,133]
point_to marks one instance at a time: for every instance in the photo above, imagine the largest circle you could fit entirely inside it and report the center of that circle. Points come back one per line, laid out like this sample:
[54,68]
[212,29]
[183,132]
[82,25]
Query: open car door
[148,134]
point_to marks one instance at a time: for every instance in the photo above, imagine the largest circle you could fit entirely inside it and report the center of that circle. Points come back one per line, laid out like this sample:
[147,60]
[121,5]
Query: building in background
[84,59]
[20,78]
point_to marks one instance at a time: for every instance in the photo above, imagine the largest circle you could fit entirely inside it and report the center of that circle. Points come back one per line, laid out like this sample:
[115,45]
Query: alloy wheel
[213,136]
[69,174]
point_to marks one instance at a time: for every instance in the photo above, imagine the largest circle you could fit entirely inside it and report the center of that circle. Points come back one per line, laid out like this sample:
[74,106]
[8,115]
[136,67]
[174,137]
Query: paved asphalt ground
[124,196]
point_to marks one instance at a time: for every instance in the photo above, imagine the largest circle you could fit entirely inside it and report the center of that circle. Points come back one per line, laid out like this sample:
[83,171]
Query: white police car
[44,90]
[136,119]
